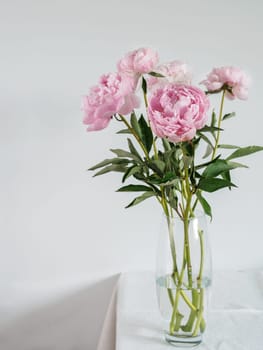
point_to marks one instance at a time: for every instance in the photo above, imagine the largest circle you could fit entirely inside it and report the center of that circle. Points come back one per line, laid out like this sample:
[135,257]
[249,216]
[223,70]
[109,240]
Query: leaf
[245,151]
[109,161]
[158,166]
[173,200]
[121,153]
[134,188]
[113,167]
[207,163]
[226,176]
[189,148]
[133,150]
[169,176]
[220,166]
[207,128]
[235,165]
[213,119]
[206,139]
[208,151]
[157,75]
[135,125]
[124,131]
[146,133]
[167,180]
[228,146]
[144,85]
[205,205]
[141,198]
[130,171]
[229,115]
[166,145]
[213,184]
[186,161]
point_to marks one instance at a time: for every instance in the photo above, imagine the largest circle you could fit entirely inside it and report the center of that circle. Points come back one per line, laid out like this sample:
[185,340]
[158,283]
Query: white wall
[62,230]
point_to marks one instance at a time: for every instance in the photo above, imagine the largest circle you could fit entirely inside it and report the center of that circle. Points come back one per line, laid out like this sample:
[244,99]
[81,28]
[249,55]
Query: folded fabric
[235,320]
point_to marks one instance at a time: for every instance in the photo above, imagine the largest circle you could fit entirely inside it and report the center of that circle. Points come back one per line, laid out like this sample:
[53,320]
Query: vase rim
[197,214]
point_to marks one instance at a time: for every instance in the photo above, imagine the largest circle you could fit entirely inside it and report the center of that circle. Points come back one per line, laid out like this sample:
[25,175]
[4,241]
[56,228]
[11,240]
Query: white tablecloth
[235,320]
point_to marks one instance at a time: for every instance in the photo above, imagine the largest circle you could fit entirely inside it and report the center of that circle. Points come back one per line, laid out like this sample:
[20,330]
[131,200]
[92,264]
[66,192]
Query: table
[235,320]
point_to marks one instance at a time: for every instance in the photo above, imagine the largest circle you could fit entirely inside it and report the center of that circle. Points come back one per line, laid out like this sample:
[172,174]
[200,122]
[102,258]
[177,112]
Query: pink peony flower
[236,80]
[140,61]
[173,72]
[177,111]
[114,94]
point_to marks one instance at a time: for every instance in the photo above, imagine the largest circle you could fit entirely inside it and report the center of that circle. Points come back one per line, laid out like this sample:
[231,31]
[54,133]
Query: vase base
[183,341]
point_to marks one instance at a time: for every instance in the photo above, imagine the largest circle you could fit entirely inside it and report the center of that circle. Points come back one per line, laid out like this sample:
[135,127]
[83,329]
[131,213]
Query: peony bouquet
[174,152]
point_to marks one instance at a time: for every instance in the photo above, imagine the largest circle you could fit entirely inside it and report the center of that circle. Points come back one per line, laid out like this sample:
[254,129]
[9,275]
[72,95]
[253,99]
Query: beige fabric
[107,339]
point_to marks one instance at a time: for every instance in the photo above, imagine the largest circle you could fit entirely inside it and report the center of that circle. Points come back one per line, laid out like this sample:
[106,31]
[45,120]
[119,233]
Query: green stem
[170,295]
[187,243]
[219,124]
[186,224]
[187,301]
[155,149]
[195,204]
[195,300]
[200,274]
[200,313]
[200,321]
[145,99]
[175,311]
[173,248]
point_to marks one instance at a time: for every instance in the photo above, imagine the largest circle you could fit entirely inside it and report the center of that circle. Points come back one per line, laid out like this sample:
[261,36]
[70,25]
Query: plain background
[64,233]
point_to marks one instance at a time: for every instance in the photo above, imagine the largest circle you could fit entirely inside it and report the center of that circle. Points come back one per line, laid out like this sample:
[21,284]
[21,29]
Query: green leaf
[245,151]
[226,176]
[122,153]
[157,75]
[134,188]
[189,148]
[169,176]
[173,199]
[133,150]
[113,167]
[166,145]
[207,163]
[167,180]
[146,133]
[229,115]
[235,165]
[186,161]
[135,125]
[205,205]
[207,128]
[228,146]
[213,184]
[213,119]
[220,166]
[144,85]
[109,161]
[208,151]
[130,171]
[206,139]
[141,198]
[158,166]
[124,131]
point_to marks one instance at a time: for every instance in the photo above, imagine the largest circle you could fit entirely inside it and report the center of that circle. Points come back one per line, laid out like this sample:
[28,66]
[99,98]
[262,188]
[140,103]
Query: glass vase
[183,278]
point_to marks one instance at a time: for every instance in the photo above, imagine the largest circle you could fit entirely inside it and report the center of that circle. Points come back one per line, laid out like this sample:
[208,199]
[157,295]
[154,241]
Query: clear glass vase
[183,278]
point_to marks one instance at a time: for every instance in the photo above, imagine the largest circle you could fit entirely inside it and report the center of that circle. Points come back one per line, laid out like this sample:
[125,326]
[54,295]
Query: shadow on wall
[72,323]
